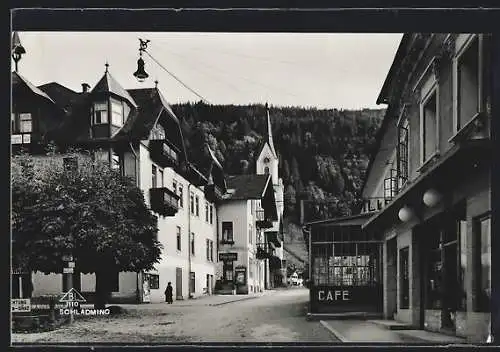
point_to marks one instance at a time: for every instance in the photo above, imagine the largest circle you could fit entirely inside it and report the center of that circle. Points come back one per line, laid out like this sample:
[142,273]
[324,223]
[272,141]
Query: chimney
[85,87]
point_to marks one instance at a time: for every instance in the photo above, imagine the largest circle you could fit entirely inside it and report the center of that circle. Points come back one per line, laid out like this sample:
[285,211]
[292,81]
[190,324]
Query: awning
[448,172]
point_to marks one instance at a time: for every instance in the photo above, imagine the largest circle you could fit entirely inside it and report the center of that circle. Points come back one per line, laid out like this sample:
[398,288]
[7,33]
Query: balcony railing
[164,201]
[213,193]
[162,153]
[261,221]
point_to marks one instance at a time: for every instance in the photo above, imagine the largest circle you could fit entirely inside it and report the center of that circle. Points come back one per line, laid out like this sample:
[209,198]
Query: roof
[108,84]
[398,58]
[17,79]
[247,186]
[268,136]
[343,220]
[214,158]
[62,96]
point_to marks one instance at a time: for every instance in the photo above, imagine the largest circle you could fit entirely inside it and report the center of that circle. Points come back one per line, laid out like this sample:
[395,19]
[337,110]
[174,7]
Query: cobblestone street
[276,316]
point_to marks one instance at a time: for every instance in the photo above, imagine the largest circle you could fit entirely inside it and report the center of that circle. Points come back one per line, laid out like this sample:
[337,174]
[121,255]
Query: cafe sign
[228,257]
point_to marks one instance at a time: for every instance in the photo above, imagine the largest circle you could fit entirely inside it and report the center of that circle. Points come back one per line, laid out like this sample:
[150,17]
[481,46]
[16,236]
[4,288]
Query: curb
[234,301]
[334,332]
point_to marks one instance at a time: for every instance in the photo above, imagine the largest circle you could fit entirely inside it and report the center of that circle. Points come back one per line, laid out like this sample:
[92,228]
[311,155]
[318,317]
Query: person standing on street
[169,293]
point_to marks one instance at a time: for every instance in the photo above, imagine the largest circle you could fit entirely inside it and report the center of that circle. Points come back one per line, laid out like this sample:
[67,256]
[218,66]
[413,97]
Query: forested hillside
[323,153]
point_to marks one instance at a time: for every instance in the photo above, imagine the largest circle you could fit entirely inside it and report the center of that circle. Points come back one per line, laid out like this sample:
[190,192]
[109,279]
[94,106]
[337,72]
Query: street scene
[186,188]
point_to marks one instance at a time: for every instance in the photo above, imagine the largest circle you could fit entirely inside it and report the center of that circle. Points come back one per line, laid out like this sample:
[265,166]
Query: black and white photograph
[178,187]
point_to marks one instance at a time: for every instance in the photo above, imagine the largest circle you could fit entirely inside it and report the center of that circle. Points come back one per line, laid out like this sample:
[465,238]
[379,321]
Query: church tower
[267,163]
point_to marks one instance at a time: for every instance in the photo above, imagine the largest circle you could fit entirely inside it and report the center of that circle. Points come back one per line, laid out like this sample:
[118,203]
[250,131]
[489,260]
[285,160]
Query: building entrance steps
[365,331]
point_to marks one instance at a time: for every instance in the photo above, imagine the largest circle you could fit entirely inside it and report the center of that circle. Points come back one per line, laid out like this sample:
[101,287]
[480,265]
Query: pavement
[271,317]
[367,331]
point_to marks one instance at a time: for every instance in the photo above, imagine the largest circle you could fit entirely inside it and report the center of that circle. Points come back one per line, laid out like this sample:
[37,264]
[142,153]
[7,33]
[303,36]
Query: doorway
[178,283]
[448,314]
[391,274]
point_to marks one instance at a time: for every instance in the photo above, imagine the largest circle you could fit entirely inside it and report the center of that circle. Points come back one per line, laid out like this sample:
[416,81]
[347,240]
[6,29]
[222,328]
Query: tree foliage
[92,212]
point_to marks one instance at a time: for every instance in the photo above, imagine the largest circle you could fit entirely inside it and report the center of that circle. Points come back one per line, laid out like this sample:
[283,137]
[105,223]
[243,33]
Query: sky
[324,70]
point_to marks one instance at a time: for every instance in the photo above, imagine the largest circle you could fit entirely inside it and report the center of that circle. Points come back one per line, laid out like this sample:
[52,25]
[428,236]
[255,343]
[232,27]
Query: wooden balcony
[263,251]
[164,201]
[261,221]
[163,154]
[213,193]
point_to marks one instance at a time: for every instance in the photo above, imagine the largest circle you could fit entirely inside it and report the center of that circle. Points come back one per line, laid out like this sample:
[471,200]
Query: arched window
[266,170]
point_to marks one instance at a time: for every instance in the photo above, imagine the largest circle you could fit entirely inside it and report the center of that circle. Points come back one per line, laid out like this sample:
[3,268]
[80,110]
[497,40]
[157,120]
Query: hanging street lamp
[141,73]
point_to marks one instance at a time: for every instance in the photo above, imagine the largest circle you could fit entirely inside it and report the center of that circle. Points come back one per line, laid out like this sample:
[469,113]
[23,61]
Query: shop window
[228,271]
[404,277]
[434,269]
[154,281]
[483,263]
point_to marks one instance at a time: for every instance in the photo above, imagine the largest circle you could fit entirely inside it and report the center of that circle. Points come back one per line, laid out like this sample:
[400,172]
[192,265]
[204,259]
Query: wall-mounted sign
[326,299]
[20,305]
[68,271]
[374,204]
[240,273]
[16,139]
[228,257]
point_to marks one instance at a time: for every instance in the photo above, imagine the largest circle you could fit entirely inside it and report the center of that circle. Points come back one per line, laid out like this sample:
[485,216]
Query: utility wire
[177,79]
[242,77]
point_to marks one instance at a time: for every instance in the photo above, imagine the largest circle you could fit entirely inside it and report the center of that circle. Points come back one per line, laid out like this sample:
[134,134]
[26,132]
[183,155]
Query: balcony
[163,154]
[164,201]
[263,251]
[261,221]
[213,193]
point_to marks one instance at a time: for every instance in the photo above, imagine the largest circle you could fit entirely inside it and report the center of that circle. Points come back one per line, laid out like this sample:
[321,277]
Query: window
[404,277]
[211,251]
[192,203]
[483,263]
[211,214]
[181,197]
[227,270]
[115,161]
[70,163]
[25,123]
[100,113]
[154,281]
[266,170]
[403,153]
[227,231]
[161,177]
[206,211]
[468,82]
[429,120]
[208,250]
[197,206]
[192,282]
[179,242]
[116,113]
[250,234]
[174,186]
[192,243]
[153,177]
[390,185]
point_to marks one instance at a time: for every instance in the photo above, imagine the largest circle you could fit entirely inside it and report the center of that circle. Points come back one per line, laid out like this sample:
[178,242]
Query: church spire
[269,132]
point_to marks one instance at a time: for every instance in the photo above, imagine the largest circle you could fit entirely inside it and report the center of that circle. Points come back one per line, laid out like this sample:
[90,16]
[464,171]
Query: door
[178,283]
[450,286]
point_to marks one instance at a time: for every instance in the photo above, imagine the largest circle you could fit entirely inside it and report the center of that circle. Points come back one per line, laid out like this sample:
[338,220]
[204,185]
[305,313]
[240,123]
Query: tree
[92,213]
